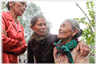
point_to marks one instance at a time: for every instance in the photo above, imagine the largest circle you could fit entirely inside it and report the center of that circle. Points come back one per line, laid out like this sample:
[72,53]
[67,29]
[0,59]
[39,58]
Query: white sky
[57,11]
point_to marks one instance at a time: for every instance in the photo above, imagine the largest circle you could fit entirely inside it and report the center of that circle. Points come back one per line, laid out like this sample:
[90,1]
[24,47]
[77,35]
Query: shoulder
[54,37]
[3,14]
[30,41]
[74,51]
[7,15]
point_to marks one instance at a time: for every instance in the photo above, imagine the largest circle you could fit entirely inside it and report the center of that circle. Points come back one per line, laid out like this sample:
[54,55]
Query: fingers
[81,47]
[4,31]
[21,43]
[86,50]
[82,50]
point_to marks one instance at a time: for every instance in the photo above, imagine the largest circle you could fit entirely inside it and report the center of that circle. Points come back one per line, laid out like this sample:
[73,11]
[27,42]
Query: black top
[42,52]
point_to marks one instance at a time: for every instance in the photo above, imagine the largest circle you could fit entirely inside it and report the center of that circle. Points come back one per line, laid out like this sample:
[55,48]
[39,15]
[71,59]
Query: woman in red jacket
[13,40]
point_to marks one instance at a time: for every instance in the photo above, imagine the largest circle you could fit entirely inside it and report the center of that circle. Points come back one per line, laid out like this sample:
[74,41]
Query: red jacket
[11,46]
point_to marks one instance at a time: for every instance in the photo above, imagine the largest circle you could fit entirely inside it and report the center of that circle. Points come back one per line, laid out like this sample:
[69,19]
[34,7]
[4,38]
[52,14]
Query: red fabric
[11,43]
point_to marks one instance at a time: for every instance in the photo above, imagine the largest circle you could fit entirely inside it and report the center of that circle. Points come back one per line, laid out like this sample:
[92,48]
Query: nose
[24,7]
[44,27]
[60,28]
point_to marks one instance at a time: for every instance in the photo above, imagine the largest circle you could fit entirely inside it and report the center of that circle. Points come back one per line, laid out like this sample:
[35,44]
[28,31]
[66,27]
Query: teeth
[60,33]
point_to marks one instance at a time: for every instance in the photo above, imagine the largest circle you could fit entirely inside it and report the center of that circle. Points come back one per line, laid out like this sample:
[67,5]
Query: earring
[72,35]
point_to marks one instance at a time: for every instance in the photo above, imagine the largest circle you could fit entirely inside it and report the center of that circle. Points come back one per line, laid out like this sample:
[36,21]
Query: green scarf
[67,48]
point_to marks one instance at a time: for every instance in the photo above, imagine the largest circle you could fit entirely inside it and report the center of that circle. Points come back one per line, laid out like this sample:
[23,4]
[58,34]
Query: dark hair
[7,5]
[35,18]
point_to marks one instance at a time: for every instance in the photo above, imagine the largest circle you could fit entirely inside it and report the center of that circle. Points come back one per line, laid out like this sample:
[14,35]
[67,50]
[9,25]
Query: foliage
[3,8]
[89,33]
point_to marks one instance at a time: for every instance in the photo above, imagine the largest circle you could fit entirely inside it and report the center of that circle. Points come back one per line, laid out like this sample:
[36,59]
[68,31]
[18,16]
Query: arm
[30,54]
[9,44]
[22,48]
[6,41]
[83,47]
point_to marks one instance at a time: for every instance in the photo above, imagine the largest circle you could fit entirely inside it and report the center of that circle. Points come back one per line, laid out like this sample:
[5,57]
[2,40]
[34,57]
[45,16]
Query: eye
[40,24]
[22,3]
[45,24]
[64,26]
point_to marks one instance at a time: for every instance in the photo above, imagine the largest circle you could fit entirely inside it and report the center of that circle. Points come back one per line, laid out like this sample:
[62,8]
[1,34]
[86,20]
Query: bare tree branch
[92,54]
[86,16]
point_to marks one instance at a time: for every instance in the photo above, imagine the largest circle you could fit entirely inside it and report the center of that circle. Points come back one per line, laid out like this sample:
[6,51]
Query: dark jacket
[43,52]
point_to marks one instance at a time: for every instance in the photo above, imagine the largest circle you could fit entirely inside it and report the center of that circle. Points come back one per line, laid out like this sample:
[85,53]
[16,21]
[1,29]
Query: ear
[32,27]
[11,4]
[75,32]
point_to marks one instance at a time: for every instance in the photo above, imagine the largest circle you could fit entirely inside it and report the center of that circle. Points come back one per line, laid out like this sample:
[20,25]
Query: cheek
[37,30]
[66,34]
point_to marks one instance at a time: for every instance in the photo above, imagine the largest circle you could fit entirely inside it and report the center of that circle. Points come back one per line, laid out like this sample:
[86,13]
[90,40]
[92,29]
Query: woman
[40,46]
[13,40]
[65,50]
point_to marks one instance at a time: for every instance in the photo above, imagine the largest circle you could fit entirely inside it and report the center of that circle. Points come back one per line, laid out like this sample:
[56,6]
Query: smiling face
[18,7]
[40,27]
[65,30]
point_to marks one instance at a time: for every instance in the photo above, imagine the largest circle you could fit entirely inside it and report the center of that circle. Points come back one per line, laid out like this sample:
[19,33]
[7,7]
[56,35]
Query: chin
[20,14]
[42,34]
[60,37]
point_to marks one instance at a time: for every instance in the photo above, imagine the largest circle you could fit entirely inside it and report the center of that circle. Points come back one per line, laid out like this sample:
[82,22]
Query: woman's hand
[83,47]
[4,31]
[21,43]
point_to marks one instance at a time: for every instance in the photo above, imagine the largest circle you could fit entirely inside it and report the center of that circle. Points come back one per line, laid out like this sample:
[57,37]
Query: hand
[21,43]
[23,49]
[4,31]
[83,47]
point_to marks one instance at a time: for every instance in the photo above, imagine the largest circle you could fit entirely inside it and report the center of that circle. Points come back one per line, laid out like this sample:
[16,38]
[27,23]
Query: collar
[9,17]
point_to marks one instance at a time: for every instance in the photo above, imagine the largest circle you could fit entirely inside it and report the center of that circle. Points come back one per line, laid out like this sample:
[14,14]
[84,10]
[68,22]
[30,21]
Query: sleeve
[81,59]
[9,44]
[24,46]
[22,49]
[56,38]
[30,54]
[6,41]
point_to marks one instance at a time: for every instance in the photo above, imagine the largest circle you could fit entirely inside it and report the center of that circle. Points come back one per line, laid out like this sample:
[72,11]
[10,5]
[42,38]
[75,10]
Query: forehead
[40,20]
[22,2]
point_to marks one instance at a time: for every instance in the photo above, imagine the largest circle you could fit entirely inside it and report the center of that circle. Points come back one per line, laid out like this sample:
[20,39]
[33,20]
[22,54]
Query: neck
[15,16]
[67,40]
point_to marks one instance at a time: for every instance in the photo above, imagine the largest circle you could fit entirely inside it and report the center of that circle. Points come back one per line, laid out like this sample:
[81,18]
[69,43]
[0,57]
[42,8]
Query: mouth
[60,32]
[43,31]
[22,11]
